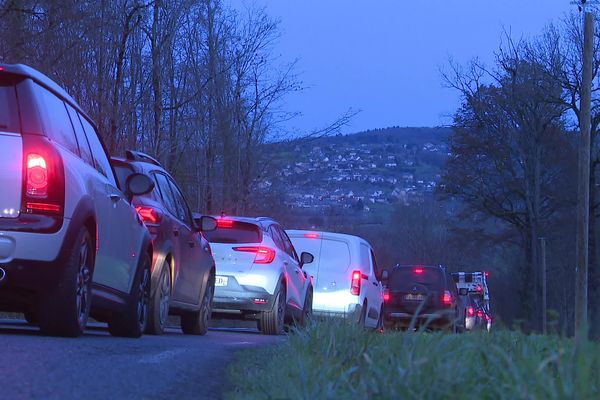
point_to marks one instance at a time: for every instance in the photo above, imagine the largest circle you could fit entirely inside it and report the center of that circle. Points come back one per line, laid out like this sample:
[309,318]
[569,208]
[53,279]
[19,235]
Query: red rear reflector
[356,281]
[311,235]
[225,223]
[264,255]
[386,295]
[470,311]
[418,271]
[148,214]
[447,298]
[44,207]
[37,176]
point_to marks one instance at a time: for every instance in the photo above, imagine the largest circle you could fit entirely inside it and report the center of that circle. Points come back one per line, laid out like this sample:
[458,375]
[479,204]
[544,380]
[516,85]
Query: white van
[344,275]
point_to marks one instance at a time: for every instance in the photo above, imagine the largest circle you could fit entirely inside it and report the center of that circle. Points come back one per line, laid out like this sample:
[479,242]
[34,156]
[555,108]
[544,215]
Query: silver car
[259,274]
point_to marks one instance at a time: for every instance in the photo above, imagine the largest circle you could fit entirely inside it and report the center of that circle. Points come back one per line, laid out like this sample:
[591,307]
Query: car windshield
[403,278]
[234,232]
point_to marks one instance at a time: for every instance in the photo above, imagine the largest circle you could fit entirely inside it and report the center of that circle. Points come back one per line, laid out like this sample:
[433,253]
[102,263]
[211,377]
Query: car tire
[64,311]
[196,322]
[363,315]
[380,328]
[272,322]
[160,303]
[307,309]
[132,322]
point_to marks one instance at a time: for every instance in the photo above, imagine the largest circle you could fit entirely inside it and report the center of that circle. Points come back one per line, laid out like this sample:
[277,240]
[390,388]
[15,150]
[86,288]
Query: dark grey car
[183,268]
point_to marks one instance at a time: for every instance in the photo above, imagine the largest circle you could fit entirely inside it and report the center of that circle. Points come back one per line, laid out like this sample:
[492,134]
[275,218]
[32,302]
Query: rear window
[9,112]
[405,277]
[335,255]
[234,232]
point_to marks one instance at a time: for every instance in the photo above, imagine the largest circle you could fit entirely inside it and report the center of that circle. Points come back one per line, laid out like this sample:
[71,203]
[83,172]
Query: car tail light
[418,270]
[470,311]
[149,215]
[479,314]
[387,295]
[311,235]
[488,318]
[447,298]
[43,177]
[264,255]
[356,281]
[224,223]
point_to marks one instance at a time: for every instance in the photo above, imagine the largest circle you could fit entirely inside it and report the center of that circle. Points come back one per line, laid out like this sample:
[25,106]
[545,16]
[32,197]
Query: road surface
[98,366]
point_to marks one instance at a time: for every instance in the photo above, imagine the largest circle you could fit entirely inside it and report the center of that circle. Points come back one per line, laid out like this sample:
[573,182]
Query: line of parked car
[86,235]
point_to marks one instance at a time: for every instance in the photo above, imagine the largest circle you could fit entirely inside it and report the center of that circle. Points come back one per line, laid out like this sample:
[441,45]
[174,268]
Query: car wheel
[272,322]
[159,303]
[363,315]
[196,322]
[380,328]
[132,322]
[307,309]
[64,311]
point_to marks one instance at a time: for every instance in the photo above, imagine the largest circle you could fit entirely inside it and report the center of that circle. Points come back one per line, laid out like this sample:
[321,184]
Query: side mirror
[385,275]
[205,223]
[463,291]
[306,258]
[138,184]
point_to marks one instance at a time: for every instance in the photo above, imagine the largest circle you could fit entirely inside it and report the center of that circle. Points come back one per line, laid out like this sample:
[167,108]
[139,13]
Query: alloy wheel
[83,282]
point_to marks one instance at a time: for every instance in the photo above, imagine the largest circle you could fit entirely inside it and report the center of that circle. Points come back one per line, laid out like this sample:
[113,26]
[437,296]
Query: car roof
[142,164]
[43,80]
[327,235]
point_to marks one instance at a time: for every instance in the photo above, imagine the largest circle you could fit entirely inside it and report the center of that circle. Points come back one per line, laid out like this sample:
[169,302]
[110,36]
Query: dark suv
[183,269]
[421,296]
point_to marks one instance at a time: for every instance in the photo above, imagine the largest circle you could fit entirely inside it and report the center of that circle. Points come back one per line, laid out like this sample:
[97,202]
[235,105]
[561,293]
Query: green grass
[334,360]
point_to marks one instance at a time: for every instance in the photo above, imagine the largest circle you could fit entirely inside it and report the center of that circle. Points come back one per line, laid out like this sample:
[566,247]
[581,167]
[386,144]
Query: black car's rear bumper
[437,319]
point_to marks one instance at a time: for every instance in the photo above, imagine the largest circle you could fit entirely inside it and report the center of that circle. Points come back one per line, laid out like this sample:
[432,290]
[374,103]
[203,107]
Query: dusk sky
[383,56]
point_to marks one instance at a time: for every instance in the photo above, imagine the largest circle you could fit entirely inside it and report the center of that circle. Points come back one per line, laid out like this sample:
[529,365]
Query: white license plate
[221,281]
[414,297]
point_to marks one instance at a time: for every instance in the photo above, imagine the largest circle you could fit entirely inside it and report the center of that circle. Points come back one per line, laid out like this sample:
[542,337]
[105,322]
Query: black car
[418,296]
[183,269]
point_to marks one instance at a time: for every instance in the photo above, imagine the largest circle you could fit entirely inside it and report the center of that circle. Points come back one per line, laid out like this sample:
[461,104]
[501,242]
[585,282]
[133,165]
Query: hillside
[361,170]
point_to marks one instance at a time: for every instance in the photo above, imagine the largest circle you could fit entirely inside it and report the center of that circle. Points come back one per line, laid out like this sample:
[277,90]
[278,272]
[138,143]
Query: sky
[383,57]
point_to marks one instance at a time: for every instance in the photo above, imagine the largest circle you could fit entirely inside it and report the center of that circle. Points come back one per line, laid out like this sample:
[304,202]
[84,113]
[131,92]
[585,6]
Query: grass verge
[334,360]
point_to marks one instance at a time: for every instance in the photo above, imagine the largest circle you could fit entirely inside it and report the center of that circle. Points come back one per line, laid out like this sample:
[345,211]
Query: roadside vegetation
[332,360]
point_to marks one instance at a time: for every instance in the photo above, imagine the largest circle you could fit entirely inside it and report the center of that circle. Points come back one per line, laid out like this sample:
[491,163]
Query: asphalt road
[98,366]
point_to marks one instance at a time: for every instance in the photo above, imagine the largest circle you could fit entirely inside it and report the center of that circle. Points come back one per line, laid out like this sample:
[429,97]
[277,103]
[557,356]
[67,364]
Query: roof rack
[139,156]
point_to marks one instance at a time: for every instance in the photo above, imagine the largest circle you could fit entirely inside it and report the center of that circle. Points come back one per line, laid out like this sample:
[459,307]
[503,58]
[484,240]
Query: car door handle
[114,197]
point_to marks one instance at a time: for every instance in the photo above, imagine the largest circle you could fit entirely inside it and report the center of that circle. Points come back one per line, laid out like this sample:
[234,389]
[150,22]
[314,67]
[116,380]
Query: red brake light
[479,314]
[37,176]
[224,223]
[447,298]
[311,235]
[43,177]
[488,318]
[470,311]
[264,255]
[1,69]
[386,295]
[487,274]
[418,270]
[148,214]
[356,281]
